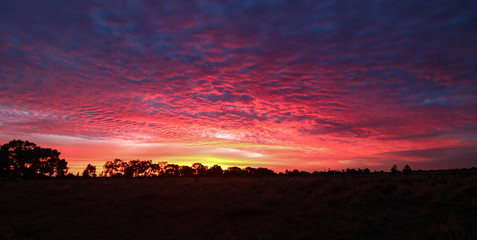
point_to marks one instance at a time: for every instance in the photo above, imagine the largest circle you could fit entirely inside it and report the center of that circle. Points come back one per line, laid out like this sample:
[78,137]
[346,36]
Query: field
[428,205]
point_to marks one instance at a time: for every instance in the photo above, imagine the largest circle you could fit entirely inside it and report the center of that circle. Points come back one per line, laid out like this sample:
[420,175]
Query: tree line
[25,159]
[138,168]
[146,168]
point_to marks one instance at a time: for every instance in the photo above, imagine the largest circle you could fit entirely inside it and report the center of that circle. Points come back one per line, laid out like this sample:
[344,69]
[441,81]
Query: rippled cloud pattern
[282,84]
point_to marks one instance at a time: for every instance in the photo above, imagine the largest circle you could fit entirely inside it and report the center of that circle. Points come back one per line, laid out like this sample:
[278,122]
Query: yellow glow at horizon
[210,161]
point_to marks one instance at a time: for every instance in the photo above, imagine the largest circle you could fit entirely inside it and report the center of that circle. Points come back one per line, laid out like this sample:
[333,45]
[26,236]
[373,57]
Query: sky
[310,85]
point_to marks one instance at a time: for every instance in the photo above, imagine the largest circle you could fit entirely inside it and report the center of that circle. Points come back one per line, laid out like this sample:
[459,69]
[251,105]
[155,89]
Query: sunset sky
[310,85]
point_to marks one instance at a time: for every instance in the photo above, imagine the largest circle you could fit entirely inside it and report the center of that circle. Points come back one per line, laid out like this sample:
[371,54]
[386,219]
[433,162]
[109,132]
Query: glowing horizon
[281,85]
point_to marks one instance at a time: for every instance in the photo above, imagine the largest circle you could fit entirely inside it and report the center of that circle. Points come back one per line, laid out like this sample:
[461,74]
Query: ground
[430,205]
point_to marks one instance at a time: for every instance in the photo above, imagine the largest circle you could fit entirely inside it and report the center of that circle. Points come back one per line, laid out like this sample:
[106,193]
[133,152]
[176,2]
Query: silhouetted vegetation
[89,171]
[394,169]
[138,168]
[407,170]
[25,159]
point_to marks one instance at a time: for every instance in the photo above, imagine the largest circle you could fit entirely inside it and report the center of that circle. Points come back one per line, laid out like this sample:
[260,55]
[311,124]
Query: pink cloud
[295,86]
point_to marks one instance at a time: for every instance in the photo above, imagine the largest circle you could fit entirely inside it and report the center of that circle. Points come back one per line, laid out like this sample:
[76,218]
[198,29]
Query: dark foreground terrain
[440,205]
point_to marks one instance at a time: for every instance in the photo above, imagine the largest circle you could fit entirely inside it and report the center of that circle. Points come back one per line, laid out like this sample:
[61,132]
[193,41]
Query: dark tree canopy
[200,169]
[89,171]
[187,171]
[133,168]
[172,170]
[235,172]
[394,169]
[25,159]
[407,170]
[215,171]
[113,168]
[139,168]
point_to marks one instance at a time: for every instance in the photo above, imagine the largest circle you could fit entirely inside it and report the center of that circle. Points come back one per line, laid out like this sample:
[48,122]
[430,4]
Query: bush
[407,170]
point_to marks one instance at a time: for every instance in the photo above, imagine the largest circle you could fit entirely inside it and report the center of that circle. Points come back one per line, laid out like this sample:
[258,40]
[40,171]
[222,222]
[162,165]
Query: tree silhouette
[215,171]
[127,170]
[200,169]
[135,168]
[138,168]
[407,170]
[262,172]
[351,171]
[171,170]
[157,169]
[394,169]
[146,168]
[113,168]
[234,172]
[295,172]
[26,159]
[186,171]
[89,171]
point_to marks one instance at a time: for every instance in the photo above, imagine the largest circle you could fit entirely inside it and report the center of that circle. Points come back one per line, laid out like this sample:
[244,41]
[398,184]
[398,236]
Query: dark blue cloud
[451,157]
[386,70]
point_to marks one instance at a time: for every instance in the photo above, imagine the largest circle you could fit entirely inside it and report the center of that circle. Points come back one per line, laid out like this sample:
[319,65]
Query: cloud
[303,75]
[449,157]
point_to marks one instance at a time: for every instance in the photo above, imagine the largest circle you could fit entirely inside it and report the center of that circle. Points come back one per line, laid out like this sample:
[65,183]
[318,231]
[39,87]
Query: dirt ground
[440,205]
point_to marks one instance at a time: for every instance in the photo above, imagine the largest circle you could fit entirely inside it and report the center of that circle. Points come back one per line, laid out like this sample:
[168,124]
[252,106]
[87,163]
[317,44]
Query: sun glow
[209,160]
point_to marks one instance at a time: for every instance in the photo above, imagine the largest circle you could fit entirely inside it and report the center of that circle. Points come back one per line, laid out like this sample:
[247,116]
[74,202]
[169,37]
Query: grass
[439,205]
